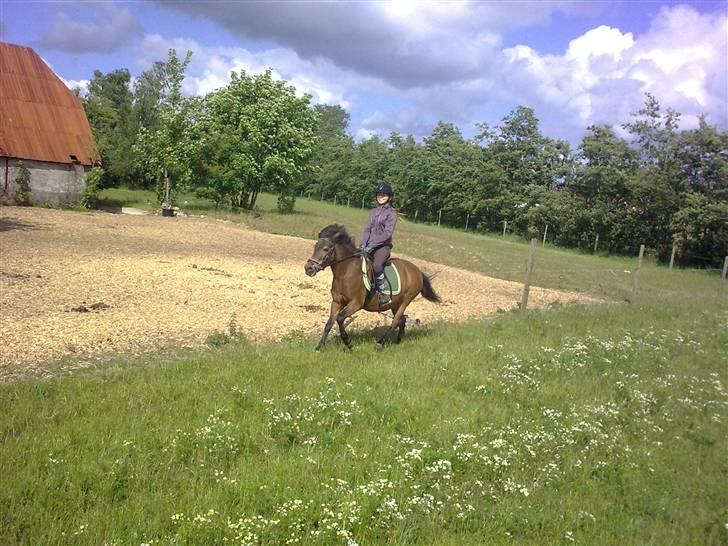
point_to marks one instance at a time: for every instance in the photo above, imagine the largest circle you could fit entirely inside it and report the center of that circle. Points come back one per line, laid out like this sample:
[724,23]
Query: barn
[44,126]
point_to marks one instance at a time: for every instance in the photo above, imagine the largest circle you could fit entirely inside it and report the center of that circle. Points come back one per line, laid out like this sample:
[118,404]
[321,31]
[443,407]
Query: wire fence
[471,224]
[636,280]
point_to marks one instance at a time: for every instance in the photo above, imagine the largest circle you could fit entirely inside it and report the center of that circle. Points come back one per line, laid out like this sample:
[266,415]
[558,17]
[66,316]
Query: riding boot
[383,296]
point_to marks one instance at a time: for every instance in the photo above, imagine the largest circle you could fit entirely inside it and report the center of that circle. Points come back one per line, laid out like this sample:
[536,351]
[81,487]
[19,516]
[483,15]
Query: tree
[268,134]
[702,155]
[701,230]
[333,153]
[167,148]
[108,106]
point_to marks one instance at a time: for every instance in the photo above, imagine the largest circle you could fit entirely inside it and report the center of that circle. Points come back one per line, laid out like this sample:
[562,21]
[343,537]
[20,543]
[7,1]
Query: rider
[376,239]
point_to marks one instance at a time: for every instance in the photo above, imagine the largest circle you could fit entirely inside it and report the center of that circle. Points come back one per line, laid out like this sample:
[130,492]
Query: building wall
[50,183]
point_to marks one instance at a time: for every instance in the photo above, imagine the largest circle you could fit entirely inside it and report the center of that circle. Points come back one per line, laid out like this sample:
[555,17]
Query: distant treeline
[660,186]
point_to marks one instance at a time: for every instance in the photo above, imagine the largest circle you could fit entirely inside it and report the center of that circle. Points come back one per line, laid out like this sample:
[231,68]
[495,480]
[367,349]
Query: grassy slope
[594,425]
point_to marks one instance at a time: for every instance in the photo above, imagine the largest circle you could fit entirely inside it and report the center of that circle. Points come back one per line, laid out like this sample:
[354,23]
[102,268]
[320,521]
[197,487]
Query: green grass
[605,426]
[591,425]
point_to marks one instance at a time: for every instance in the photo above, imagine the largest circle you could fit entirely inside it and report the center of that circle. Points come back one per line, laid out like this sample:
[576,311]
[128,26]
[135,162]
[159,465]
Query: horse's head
[324,251]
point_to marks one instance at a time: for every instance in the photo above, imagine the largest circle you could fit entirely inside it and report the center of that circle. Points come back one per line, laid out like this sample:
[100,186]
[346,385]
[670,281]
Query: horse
[335,249]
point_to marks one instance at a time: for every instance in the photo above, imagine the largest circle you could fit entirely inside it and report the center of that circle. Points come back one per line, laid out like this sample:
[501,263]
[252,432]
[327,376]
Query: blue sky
[403,65]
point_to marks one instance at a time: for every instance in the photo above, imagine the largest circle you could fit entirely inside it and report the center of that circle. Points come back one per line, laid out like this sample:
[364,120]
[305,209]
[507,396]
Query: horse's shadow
[372,335]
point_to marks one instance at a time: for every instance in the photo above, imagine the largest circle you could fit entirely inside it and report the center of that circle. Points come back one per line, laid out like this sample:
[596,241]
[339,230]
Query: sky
[403,65]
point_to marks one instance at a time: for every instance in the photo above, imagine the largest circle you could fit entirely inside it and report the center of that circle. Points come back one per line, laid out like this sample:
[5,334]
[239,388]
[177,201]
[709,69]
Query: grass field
[582,425]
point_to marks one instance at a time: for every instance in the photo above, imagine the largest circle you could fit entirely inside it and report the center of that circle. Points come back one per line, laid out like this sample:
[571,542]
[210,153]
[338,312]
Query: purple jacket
[380,227]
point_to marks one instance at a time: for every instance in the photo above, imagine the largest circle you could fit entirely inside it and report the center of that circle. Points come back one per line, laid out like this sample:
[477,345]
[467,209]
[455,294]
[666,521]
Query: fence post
[467,221]
[636,277]
[335,199]
[505,226]
[439,217]
[416,211]
[672,256]
[348,202]
[529,270]
[545,231]
[322,196]
[722,276]
[596,243]
[362,202]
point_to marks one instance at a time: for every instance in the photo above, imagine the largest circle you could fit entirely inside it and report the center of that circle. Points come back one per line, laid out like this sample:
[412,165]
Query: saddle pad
[392,282]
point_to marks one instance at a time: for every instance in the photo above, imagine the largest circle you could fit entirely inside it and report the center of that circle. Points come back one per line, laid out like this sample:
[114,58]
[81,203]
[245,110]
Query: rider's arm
[367,231]
[389,222]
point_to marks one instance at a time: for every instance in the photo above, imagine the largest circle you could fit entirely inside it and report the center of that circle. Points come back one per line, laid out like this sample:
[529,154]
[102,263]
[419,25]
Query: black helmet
[384,188]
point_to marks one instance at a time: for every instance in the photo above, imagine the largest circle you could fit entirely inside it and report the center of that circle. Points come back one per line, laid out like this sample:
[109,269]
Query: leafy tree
[333,153]
[702,155]
[701,230]
[168,147]
[108,107]
[267,134]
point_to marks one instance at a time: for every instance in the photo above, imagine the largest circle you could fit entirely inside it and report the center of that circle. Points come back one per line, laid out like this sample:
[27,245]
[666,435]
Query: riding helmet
[384,188]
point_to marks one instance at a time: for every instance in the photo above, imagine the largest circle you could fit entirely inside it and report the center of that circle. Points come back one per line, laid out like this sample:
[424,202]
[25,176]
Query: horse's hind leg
[395,322]
[402,324]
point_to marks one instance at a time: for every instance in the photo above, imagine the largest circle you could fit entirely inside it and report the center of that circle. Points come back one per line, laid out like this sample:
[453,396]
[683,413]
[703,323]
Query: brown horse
[335,249]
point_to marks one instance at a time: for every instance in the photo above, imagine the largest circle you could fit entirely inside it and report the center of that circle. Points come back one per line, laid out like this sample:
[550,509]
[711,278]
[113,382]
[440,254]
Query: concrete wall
[50,183]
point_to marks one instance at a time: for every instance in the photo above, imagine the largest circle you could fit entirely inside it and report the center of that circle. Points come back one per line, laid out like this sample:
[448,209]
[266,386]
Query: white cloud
[210,69]
[82,85]
[603,74]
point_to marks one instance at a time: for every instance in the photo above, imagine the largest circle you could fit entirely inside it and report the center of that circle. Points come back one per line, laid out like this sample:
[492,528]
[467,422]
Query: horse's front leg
[350,308]
[335,307]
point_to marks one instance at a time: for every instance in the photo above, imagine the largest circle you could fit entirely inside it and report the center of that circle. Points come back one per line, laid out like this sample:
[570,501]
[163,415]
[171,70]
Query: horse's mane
[338,235]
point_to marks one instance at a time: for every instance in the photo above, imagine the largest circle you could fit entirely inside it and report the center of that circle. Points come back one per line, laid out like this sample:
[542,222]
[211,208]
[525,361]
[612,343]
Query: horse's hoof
[318,348]
[349,344]
[379,345]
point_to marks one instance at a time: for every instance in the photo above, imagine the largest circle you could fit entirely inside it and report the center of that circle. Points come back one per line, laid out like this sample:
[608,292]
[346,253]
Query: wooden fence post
[362,202]
[636,276]
[439,217]
[529,270]
[722,276]
[467,221]
[545,231]
[672,256]
[596,243]
[416,211]
[348,202]
[335,197]
[505,226]
[322,196]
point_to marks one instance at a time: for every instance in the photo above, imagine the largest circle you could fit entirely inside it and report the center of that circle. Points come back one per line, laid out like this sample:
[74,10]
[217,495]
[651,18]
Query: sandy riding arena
[88,285]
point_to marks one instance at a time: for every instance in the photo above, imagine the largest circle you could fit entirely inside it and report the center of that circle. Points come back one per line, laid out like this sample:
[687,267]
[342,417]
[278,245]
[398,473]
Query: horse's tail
[427,291]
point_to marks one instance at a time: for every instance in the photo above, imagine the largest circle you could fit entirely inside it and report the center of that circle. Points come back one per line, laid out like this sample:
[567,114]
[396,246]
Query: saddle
[392,280]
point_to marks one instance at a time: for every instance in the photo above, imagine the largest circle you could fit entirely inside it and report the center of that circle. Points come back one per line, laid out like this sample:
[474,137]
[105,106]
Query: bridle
[325,261]
[320,266]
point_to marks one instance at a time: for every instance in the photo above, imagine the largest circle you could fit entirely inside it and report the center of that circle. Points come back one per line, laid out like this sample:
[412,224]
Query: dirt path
[150,282]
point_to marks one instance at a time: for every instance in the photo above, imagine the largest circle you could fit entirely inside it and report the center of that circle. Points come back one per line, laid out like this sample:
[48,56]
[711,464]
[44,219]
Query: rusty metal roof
[40,118]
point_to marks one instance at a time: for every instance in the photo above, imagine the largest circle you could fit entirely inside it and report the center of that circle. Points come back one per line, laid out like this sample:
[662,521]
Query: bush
[22,180]
[286,204]
[90,196]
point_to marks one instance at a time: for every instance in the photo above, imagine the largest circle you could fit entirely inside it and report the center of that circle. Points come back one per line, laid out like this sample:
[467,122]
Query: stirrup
[384,299]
